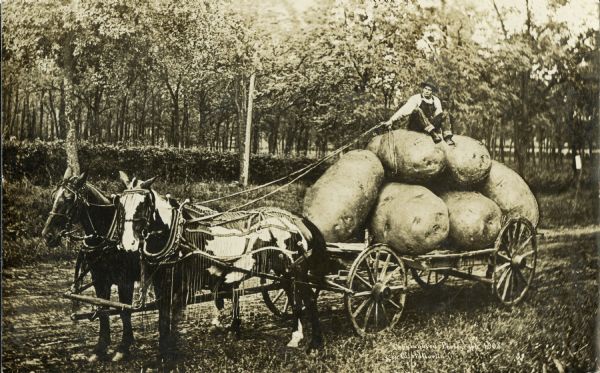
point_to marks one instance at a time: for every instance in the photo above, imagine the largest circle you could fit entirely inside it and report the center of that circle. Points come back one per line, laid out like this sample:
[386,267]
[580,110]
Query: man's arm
[438,106]
[411,104]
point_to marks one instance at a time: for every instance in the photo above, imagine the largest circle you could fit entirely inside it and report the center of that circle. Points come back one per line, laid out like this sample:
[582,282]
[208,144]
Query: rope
[310,167]
[302,172]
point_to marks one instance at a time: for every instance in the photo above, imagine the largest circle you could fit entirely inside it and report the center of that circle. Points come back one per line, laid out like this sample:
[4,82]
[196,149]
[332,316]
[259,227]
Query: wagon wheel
[378,279]
[514,260]
[428,279]
[276,300]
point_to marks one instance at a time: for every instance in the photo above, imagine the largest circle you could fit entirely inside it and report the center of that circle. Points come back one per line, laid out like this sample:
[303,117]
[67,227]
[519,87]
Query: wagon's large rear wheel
[514,260]
[378,279]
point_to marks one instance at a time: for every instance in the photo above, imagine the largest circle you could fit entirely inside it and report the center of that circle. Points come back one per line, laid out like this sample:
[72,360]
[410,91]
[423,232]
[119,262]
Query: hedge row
[45,162]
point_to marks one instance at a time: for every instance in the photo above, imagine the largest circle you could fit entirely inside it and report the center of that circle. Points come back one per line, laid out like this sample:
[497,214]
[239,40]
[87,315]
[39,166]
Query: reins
[300,173]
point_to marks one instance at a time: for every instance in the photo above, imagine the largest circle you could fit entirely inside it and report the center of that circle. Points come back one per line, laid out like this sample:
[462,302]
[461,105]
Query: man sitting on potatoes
[426,114]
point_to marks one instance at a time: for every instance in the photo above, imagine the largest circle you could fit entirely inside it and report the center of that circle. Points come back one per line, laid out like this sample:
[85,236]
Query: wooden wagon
[374,281]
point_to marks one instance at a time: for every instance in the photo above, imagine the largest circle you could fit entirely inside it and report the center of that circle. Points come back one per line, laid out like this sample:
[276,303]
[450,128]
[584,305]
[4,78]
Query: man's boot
[449,140]
[435,136]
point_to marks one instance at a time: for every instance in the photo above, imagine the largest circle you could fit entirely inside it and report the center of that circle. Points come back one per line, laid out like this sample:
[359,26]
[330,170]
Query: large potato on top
[475,220]
[409,156]
[505,187]
[339,202]
[409,218]
[468,162]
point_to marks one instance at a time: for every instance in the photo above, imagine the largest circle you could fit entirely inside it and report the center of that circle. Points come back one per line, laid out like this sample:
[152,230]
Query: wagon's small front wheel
[379,282]
[276,300]
[428,279]
[514,261]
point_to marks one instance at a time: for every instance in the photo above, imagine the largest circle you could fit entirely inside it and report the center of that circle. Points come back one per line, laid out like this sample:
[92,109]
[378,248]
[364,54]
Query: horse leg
[236,322]
[219,303]
[102,288]
[310,302]
[171,308]
[125,296]
[296,304]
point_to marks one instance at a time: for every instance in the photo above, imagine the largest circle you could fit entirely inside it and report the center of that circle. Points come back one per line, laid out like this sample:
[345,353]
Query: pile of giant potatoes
[417,196]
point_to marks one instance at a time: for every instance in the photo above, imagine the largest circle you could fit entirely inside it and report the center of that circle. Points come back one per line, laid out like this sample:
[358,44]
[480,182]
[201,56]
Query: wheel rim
[514,261]
[428,279]
[378,279]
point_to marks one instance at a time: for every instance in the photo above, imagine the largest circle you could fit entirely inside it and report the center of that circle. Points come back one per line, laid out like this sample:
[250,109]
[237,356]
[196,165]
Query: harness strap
[172,241]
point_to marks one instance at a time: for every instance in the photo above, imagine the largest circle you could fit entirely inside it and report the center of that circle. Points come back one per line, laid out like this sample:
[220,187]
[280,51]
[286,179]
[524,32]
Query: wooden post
[245,169]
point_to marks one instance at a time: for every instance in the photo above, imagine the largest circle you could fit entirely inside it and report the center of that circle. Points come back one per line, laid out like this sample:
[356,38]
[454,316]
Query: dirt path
[39,336]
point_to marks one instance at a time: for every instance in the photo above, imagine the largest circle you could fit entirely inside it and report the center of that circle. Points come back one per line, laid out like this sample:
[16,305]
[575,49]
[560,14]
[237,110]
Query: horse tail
[318,261]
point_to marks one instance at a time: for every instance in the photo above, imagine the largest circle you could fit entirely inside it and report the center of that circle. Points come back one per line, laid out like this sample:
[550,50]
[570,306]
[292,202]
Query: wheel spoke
[368,316]
[523,244]
[503,256]
[376,315]
[376,270]
[360,308]
[286,305]
[369,271]
[428,277]
[518,232]
[363,281]
[506,284]
[390,275]
[279,294]
[525,255]
[501,267]
[385,315]
[397,287]
[362,294]
[520,276]
[385,265]
[502,277]
[396,305]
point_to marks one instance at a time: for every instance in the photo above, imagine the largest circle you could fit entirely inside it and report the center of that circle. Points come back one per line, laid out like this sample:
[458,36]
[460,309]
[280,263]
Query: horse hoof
[314,347]
[297,336]
[293,344]
[118,357]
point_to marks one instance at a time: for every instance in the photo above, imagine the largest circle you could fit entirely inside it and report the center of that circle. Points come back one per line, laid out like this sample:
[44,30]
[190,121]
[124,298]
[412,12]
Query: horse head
[68,199]
[141,209]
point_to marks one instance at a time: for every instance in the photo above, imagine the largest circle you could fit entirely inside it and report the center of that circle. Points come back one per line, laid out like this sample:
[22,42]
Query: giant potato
[475,220]
[339,202]
[468,162]
[409,218]
[409,156]
[511,193]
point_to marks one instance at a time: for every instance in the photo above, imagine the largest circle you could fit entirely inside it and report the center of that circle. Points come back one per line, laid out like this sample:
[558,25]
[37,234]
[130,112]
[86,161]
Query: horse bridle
[78,201]
[69,215]
[145,219]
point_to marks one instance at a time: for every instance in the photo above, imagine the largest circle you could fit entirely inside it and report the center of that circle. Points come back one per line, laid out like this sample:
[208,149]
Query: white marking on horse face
[58,206]
[129,238]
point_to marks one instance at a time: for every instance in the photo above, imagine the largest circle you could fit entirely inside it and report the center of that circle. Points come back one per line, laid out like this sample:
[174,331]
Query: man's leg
[419,122]
[441,121]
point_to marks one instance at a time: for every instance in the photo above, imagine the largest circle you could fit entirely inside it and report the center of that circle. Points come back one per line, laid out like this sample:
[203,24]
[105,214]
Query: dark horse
[186,251]
[78,202]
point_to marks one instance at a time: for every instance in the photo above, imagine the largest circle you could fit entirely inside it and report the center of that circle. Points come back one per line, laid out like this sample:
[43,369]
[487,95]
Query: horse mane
[97,194]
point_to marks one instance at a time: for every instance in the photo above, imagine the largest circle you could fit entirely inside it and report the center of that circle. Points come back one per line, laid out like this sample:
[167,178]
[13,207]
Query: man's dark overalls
[424,116]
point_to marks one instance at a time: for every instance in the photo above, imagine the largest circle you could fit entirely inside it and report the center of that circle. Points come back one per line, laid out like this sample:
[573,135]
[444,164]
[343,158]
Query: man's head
[428,88]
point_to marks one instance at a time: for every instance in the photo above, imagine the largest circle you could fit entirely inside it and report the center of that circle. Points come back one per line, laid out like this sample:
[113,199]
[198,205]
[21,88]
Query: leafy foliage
[45,162]
[176,72]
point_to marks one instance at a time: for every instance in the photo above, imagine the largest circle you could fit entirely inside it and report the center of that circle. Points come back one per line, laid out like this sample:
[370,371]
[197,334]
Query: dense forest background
[170,73]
